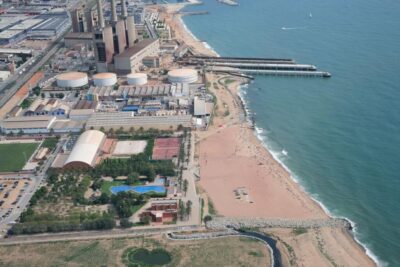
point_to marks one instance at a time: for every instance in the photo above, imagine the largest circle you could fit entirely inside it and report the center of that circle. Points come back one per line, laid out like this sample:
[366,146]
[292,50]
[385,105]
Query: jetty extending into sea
[266,66]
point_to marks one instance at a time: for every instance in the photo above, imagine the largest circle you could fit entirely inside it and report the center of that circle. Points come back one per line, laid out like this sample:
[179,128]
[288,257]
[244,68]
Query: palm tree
[185,186]
[188,208]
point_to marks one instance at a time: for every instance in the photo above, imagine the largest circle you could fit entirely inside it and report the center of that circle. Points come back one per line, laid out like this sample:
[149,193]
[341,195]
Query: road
[92,235]
[188,174]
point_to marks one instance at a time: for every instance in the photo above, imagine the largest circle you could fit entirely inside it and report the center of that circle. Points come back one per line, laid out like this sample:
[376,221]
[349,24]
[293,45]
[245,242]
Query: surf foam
[259,133]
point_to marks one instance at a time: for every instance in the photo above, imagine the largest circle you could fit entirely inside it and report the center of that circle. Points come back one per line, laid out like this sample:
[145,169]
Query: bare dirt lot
[230,251]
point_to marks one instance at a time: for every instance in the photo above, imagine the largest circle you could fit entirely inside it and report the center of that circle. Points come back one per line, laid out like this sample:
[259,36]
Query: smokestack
[131,31]
[114,17]
[100,14]
[124,11]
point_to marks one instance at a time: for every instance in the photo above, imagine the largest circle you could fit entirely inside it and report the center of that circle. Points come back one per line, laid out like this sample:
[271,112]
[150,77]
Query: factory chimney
[100,14]
[114,17]
[124,12]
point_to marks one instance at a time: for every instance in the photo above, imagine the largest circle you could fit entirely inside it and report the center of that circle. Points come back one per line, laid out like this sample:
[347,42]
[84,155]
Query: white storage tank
[137,78]
[72,79]
[105,79]
[182,76]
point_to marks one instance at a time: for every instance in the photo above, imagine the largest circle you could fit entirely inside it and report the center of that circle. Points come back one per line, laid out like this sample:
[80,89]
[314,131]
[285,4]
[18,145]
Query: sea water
[339,137]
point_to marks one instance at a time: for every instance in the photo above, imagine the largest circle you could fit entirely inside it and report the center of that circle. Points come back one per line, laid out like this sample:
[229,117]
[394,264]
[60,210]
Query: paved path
[93,235]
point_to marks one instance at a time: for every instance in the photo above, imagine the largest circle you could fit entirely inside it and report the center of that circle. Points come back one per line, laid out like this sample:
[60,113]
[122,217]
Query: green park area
[14,156]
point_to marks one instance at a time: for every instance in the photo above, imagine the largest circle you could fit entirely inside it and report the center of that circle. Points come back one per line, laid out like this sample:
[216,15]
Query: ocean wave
[259,132]
[261,135]
[197,39]
[187,29]
[210,48]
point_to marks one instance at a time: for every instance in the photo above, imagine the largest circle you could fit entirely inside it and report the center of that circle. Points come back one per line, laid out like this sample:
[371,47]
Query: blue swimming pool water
[138,189]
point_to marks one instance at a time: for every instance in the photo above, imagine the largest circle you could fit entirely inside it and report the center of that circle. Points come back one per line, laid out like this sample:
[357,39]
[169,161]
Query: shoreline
[353,231]
[256,132]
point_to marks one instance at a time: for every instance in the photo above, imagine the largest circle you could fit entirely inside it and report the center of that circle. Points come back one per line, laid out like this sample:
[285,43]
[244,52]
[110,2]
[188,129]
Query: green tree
[185,186]
[125,223]
[188,209]
[207,218]
[181,210]
[145,219]
[132,178]
[104,198]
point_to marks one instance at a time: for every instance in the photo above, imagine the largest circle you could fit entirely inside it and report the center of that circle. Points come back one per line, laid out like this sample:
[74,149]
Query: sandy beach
[243,180]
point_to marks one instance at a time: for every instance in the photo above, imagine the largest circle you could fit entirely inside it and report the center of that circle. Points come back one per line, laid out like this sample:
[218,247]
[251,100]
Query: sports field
[12,156]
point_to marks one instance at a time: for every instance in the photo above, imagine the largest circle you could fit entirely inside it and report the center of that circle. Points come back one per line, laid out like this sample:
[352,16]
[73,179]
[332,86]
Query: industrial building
[136,78]
[105,79]
[27,125]
[116,120]
[131,59]
[39,125]
[114,38]
[50,28]
[86,150]
[11,36]
[124,92]
[46,25]
[183,76]
[72,80]
[47,107]
[83,110]
[4,75]
[72,39]
[201,107]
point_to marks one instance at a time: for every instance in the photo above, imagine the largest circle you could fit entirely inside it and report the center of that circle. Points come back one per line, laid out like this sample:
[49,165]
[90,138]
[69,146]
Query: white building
[4,75]
[86,150]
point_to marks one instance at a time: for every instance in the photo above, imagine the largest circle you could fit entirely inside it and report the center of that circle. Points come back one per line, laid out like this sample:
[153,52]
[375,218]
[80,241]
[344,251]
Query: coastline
[353,231]
[315,207]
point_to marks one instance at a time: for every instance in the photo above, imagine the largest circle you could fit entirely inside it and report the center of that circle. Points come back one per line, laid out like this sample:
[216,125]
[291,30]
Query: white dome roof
[86,147]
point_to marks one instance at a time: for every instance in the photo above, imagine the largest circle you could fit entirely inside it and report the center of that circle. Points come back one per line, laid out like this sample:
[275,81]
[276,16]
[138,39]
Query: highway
[19,80]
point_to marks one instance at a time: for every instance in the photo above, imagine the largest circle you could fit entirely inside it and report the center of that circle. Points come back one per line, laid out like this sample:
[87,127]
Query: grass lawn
[230,251]
[105,188]
[50,143]
[12,156]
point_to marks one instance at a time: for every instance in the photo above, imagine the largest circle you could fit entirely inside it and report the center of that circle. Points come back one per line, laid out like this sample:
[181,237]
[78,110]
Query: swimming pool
[141,189]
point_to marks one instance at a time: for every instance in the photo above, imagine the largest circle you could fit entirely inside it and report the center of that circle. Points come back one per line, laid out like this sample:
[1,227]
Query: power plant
[109,39]
[113,39]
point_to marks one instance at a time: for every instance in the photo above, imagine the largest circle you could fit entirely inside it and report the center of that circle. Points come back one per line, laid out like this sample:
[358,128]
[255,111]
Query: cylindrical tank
[137,78]
[105,79]
[72,79]
[182,76]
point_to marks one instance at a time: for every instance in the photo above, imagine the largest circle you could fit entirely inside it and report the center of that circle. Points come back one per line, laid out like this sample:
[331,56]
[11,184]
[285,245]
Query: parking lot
[12,193]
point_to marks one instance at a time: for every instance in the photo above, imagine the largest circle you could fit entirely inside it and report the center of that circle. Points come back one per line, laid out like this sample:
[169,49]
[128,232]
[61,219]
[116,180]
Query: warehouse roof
[9,33]
[116,119]
[28,122]
[26,24]
[86,148]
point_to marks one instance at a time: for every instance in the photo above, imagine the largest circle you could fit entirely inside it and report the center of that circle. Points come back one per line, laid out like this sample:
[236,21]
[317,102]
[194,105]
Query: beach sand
[232,158]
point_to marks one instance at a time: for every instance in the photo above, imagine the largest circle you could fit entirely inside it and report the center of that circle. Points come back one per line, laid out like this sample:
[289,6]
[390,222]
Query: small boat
[310,15]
